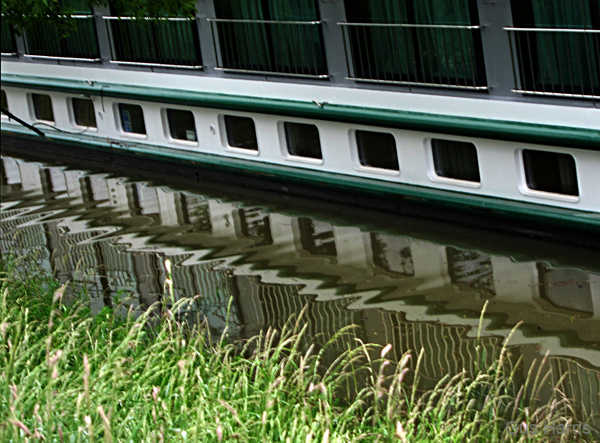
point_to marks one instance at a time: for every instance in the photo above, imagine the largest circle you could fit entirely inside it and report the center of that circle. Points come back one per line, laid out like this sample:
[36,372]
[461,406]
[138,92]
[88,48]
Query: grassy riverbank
[67,376]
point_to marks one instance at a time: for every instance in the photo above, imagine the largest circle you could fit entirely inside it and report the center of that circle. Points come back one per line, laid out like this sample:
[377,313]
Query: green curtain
[392,51]
[244,45]
[566,61]
[445,55]
[296,48]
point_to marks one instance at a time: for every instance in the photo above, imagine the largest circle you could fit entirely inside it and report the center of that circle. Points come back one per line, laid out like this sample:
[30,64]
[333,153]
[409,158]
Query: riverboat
[476,108]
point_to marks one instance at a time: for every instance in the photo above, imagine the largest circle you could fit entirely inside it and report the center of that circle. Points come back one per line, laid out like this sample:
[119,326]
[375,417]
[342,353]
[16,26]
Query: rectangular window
[421,42]
[276,36]
[83,112]
[377,150]
[132,118]
[558,58]
[303,140]
[7,39]
[550,172]
[80,42]
[170,41]
[42,107]
[182,125]
[241,132]
[457,160]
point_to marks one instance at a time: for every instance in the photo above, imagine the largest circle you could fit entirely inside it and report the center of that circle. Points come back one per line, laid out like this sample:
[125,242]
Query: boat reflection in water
[113,235]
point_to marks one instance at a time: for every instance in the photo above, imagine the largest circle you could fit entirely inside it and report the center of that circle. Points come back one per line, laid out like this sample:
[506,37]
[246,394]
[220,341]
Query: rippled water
[413,283]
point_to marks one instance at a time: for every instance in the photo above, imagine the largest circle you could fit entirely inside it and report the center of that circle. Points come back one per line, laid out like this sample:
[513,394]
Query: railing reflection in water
[77,245]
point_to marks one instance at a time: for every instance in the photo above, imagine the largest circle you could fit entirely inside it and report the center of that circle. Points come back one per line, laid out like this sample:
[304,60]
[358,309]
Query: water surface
[410,282]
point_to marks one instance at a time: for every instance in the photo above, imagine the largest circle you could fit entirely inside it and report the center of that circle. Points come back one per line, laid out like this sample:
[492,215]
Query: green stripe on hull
[470,127]
[571,219]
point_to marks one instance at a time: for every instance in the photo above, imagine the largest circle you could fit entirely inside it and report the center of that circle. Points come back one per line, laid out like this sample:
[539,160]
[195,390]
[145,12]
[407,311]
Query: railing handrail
[411,25]
[285,22]
[566,30]
[171,19]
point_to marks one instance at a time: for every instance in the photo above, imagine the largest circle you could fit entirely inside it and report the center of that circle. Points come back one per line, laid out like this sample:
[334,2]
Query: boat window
[377,150]
[182,125]
[554,53]
[241,132]
[42,107]
[170,42]
[132,118]
[4,101]
[280,37]
[83,112]
[415,42]
[303,140]
[550,172]
[456,160]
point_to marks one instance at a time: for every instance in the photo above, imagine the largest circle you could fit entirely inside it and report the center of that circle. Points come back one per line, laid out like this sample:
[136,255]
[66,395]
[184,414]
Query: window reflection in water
[317,237]
[392,253]
[470,267]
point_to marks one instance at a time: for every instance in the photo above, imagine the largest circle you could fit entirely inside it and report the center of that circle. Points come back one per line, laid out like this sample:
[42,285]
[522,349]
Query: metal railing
[45,41]
[288,48]
[7,40]
[556,61]
[170,42]
[447,56]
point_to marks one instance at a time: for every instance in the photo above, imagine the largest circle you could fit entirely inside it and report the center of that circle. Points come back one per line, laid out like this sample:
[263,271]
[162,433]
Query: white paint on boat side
[432,104]
[500,163]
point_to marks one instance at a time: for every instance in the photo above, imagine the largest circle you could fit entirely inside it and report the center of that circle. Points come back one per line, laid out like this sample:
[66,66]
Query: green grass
[67,376]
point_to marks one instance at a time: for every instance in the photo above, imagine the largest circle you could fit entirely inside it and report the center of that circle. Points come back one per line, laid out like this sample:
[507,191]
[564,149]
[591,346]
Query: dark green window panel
[377,150]
[558,62]
[241,132]
[456,160]
[81,42]
[7,39]
[282,48]
[42,107]
[132,118]
[182,125]
[162,42]
[416,55]
[303,140]
[83,112]
[550,172]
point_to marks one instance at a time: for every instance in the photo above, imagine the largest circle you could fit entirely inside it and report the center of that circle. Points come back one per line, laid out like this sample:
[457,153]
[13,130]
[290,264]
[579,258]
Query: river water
[409,282]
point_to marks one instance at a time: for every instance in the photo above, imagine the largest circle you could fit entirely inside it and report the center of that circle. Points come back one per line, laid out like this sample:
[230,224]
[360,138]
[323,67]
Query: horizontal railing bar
[400,82]
[578,31]
[55,57]
[559,94]
[164,65]
[283,22]
[171,19]
[272,73]
[9,54]
[409,25]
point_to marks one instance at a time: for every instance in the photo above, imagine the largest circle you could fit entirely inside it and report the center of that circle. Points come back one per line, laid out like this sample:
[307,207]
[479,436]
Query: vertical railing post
[208,39]
[104,43]
[494,15]
[332,12]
